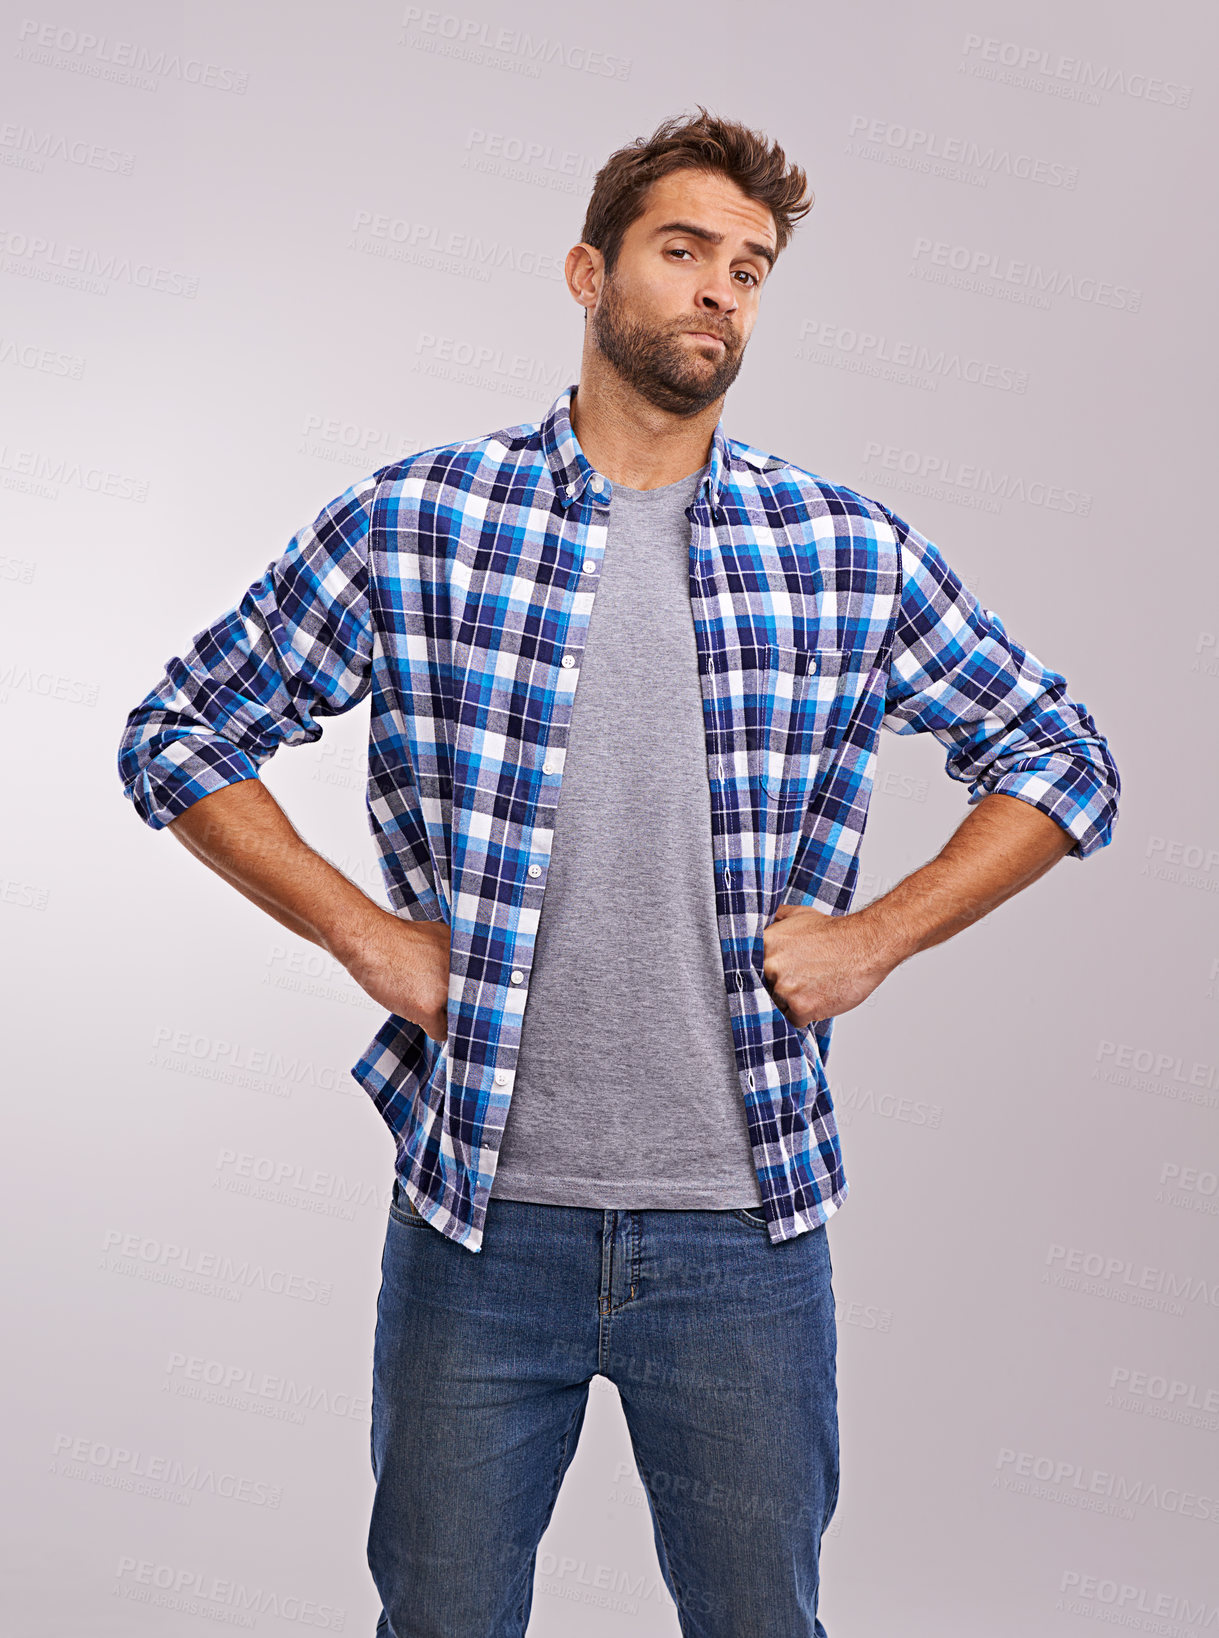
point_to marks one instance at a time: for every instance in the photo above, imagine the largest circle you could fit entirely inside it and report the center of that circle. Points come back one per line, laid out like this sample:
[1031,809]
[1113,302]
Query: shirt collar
[572,472]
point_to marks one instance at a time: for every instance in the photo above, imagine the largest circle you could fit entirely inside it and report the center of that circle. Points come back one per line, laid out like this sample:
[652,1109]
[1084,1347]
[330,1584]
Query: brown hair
[701,142]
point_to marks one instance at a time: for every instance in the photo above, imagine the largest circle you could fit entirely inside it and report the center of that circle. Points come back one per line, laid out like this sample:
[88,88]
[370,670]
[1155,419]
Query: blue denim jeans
[722,1347]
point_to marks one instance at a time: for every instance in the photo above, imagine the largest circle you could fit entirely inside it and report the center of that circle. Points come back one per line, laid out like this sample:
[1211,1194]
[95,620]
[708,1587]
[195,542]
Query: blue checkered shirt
[455,587]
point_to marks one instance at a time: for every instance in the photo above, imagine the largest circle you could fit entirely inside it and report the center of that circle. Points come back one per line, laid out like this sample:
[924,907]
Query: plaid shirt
[455,587]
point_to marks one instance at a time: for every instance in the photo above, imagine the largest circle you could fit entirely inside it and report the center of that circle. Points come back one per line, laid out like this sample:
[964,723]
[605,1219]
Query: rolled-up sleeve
[296,648]
[1006,720]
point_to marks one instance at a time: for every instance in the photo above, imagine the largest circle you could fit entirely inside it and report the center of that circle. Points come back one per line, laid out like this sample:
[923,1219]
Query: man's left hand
[816,966]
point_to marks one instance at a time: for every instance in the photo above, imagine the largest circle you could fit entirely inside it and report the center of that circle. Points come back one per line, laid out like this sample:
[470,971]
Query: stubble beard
[656,363]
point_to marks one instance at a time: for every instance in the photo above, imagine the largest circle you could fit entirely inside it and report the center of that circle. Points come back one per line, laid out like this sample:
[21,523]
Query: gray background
[222,303]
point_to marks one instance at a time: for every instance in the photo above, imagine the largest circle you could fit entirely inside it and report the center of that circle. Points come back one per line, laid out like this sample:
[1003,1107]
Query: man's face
[674,316]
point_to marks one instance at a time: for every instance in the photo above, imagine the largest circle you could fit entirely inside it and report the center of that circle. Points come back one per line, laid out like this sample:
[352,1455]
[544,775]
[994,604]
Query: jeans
[722,1347]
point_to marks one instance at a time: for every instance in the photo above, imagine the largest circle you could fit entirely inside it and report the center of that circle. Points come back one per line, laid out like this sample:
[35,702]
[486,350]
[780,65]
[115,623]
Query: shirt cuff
[183,773]
[1072,793]
[427,907]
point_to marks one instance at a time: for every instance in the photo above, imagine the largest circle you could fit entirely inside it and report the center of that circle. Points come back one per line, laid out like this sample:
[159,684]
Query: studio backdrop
[251,254]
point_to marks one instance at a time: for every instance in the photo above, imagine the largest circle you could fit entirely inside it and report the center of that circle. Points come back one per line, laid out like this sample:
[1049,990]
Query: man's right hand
[242,833]
[404,965]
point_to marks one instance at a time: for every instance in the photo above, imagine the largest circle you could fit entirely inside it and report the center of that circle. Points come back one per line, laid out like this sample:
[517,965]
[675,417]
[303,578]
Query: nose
[718,294]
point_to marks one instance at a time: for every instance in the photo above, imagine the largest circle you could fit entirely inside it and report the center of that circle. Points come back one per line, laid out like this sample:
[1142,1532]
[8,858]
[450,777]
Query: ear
[585,270]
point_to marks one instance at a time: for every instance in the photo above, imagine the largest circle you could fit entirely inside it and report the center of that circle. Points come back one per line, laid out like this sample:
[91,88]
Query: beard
[657,363]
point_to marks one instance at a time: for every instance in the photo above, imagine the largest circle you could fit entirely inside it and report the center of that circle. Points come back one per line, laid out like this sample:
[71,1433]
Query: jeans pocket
[402,1209]
[745,1214]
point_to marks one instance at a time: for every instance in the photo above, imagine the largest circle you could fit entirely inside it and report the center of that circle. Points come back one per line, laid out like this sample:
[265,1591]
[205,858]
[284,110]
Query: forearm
[243,834]
[1001,846]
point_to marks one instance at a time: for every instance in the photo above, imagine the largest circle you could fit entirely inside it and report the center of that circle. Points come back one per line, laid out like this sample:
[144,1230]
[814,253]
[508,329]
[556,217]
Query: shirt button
[548,767]
[571,489]
[590,567]
[599,484]
[535,870]
[569,659]
[501,1077]
[518,977]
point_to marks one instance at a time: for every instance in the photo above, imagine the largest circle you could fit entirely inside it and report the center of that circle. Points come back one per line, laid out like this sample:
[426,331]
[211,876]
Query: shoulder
[463,466]
[798,494]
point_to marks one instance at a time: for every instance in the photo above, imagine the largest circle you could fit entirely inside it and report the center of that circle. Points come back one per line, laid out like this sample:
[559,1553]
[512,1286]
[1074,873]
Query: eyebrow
[696,232]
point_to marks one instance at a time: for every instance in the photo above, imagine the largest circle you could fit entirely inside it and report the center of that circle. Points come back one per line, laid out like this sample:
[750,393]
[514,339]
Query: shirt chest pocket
[799,700]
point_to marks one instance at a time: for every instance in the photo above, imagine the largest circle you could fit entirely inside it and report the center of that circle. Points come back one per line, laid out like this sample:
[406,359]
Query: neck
[630,440]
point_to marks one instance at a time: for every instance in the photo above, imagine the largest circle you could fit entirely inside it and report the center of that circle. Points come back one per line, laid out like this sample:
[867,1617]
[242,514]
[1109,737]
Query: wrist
[352,928]
[887,935]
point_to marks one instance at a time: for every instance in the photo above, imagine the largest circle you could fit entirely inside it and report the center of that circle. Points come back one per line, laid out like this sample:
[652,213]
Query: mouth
[706,335]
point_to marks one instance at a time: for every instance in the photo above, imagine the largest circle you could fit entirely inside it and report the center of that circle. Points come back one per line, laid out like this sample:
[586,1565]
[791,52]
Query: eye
[678,250]
[752,277]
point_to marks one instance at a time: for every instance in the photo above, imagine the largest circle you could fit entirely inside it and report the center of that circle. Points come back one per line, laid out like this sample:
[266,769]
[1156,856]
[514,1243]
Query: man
[604,1064]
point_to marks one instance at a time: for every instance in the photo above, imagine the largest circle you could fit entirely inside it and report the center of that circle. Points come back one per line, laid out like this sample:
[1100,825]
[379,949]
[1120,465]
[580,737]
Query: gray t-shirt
[627,1091]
